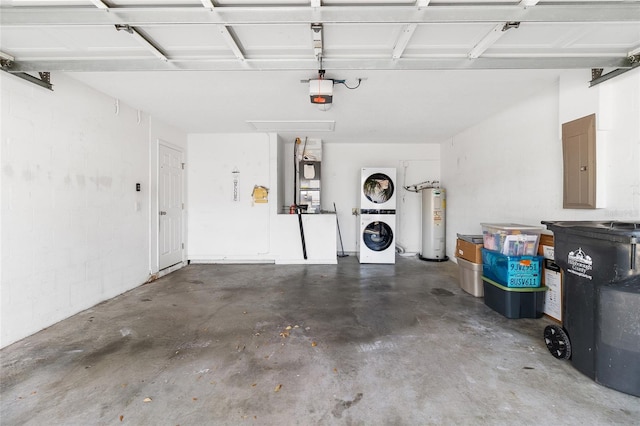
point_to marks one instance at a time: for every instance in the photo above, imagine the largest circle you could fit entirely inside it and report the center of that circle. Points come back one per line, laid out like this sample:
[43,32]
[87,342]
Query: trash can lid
[611,230]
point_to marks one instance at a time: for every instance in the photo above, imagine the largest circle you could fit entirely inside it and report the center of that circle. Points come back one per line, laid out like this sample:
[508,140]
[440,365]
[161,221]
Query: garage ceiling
[427,69]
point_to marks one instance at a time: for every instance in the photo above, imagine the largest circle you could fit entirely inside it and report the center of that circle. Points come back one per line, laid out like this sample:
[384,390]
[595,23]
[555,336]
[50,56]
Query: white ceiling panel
[451,36]
[604,40]
[279,40]
[362,40]
[196,41]
[610,35]
[17,39]
[89,3]
[426,72]
[74,42]
[185,36]
[263,3]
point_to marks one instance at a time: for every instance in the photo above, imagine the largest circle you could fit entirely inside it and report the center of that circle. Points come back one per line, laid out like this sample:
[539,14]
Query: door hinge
[182,206]
[182,246]
[182,166]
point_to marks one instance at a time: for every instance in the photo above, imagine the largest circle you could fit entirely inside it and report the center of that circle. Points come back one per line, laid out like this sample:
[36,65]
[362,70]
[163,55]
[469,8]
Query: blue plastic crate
[512,271]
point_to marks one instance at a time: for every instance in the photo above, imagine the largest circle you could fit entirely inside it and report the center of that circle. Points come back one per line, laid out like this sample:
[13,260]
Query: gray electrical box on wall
[579,163]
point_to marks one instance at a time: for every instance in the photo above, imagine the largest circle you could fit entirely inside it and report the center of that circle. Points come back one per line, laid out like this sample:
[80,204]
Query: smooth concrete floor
[369,345]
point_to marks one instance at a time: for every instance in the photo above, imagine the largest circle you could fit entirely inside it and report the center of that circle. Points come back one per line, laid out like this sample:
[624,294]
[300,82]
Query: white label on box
[553,295]
[548,252]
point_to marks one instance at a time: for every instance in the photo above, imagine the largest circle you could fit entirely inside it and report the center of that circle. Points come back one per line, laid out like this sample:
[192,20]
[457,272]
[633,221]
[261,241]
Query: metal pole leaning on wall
[304,244]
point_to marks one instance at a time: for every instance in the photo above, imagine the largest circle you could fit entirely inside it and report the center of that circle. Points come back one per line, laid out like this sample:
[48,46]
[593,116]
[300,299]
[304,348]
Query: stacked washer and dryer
[376,238]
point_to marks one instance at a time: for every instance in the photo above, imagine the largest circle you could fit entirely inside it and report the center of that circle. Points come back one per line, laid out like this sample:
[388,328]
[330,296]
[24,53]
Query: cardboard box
[546,240]
[469,251]
[546,250]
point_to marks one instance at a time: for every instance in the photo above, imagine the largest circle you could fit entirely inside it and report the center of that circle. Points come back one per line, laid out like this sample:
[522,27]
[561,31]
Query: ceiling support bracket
[601,78]
[316,38]
[142,39]
[31,79]
[43,81]
[596,73]
[491,37]
[45,77]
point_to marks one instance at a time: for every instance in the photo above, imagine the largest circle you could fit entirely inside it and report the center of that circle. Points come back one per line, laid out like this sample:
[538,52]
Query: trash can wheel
[557,342]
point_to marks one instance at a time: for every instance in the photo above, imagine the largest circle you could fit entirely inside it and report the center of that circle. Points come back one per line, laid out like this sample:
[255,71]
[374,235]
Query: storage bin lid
[617,231]
[512,227]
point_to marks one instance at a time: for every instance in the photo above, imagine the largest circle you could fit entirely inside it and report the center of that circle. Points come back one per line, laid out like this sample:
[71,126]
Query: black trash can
[601,289]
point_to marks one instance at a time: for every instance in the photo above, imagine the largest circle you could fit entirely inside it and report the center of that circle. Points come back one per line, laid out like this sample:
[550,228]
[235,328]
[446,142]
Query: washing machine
[378,190]
[376,239]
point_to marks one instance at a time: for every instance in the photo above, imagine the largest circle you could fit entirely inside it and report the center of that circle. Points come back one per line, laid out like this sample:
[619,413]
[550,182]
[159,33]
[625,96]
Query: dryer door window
[378,188]
[378,236]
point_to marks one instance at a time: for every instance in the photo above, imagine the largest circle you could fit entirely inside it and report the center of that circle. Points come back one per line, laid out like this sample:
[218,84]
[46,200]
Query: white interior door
[170,207]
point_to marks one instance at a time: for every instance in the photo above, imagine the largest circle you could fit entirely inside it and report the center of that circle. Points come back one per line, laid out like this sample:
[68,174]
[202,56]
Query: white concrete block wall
[223,230]
[220,228]
[414,163]
[509,167]
[74,232]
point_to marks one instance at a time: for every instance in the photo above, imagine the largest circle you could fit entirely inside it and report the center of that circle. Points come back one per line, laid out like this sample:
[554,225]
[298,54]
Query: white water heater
[433,225]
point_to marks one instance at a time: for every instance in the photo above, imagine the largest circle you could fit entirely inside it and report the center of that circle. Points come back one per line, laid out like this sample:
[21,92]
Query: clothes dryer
[378,190]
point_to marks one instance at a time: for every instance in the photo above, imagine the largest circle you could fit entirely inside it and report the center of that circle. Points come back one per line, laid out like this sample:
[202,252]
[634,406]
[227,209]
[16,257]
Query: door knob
[163,213]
